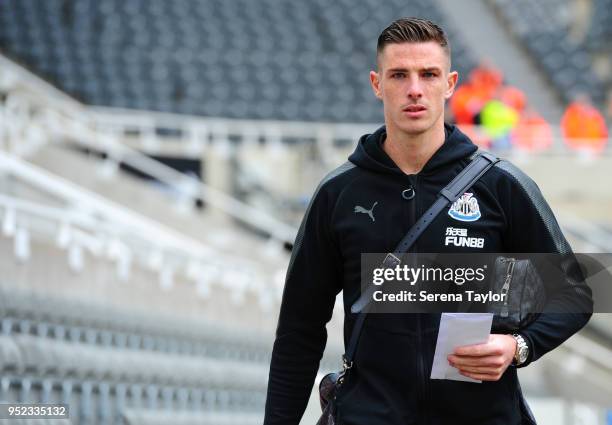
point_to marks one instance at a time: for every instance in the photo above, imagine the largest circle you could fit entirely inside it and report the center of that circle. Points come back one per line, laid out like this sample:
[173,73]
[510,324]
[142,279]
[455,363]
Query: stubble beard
[412,127]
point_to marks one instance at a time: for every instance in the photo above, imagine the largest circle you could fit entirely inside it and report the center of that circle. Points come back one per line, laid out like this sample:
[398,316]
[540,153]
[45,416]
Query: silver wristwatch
[522,350]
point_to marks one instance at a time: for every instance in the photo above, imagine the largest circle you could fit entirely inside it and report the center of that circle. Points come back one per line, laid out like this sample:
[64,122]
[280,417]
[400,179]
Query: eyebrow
[428,69]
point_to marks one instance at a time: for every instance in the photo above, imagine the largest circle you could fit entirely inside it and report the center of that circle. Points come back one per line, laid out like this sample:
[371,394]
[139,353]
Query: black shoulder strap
[480,164]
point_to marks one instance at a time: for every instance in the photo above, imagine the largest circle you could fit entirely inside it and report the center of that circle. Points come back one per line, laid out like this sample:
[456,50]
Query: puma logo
[360,209]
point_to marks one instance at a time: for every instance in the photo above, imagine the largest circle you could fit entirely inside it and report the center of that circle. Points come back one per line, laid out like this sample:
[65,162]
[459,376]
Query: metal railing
[74,217]
[35,113]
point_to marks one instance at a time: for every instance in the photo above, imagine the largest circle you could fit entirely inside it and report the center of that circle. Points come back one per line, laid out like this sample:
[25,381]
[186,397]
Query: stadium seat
[179,57]
[544,29]
[159,417]
[10,357]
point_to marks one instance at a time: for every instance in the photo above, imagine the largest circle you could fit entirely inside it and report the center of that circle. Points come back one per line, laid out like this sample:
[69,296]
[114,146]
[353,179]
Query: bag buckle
[391,260]
[346,365]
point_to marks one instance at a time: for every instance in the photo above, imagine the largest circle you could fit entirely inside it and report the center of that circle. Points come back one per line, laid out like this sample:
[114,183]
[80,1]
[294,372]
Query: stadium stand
[543,27]
[130,365]
[100,322]
[46,316]
[114,365]
[232,59]
[600,29]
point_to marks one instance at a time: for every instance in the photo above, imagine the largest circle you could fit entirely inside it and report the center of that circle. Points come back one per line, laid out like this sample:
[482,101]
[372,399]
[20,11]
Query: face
[413,81]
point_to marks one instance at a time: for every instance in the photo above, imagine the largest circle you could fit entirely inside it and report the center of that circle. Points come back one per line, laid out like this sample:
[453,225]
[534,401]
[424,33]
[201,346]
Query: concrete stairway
[158,203]
[488,39]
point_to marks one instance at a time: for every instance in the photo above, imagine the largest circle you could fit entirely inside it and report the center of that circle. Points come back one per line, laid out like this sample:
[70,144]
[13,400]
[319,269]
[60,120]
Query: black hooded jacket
[389,384]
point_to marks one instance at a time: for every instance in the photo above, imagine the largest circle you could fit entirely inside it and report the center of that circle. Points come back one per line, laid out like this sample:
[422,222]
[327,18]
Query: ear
[451,83]
[375,82]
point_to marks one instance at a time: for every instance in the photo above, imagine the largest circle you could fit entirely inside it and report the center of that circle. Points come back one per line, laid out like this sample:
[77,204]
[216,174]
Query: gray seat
[10,356]
[153,417]
[545,33]
[91,56]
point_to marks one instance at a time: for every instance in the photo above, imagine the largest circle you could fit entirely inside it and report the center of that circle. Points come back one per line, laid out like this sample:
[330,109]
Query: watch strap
[521,345]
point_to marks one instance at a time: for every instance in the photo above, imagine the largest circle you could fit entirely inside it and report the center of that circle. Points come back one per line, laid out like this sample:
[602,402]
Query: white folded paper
[456,330]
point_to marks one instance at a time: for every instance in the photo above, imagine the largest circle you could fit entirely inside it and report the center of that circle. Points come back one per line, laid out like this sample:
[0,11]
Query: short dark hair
[412,30]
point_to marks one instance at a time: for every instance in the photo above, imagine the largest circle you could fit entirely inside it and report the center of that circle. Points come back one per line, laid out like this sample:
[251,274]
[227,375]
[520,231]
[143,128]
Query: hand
[485,362]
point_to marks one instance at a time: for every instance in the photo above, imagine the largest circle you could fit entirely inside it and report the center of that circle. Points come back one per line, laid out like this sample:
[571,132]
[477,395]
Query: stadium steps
[101,382]
[46,315]
[98,384]
[94,324]
[221,385]
[157,203]
[156,417]
[52,421]
[44,356]
[143,197]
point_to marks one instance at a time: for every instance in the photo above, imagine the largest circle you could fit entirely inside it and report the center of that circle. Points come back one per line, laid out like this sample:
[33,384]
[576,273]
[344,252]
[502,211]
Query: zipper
[506,287]
[422,386]
[415,209]
[421,390]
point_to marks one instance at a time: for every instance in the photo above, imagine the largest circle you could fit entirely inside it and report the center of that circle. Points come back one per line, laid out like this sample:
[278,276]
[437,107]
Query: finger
[481,377]
[485,361]
[478,350]
[471,350]
[482,370]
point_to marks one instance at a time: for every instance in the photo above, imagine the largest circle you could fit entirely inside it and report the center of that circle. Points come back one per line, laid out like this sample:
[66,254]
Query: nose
[414,89]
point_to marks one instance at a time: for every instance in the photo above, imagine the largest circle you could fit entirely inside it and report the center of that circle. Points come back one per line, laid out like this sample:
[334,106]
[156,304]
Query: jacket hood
[369,153]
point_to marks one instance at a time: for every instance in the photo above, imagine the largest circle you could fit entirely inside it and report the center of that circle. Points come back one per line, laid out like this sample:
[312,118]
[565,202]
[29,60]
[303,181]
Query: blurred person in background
[532,133]
[484,101]
[487,79]
[497,120]
[584,127]
[464,106]
[367,205]
[470,97]
[500,112]
[513,97]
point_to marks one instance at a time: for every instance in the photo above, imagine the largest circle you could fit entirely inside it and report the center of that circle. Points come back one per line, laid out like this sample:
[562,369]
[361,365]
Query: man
[584,127]
[367,205]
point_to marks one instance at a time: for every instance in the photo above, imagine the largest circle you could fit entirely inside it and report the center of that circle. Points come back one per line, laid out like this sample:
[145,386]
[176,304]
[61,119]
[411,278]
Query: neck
[410,152]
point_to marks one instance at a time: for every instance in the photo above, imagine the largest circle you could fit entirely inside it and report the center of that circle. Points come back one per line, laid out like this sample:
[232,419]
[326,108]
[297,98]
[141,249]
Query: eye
[398,75]
[429,74]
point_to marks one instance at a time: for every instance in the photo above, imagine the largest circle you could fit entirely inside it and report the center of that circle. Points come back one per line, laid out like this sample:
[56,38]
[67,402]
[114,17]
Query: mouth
[414,108]
[414,111]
